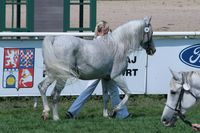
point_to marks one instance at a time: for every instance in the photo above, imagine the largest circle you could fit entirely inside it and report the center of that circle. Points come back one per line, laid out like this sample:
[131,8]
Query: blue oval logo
[191,56]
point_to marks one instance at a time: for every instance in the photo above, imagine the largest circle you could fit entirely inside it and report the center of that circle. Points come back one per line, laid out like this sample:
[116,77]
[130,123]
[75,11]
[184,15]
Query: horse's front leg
[43,86]
[123,86]
[105,98]
[56,95]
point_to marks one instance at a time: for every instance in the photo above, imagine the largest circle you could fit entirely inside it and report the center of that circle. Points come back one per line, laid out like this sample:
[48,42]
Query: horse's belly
[92,75]
[91,69]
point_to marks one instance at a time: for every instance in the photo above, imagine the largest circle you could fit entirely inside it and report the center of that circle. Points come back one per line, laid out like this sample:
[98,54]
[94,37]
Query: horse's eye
[172,92]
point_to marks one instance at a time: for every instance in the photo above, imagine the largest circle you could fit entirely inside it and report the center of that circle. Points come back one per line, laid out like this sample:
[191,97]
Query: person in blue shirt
[102,28]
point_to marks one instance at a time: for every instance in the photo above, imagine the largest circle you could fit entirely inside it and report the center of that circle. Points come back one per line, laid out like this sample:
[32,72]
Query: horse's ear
[176,75]
[147,20]
[186,85]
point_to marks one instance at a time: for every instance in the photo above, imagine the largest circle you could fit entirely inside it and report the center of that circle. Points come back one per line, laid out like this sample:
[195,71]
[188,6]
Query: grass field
[18,116]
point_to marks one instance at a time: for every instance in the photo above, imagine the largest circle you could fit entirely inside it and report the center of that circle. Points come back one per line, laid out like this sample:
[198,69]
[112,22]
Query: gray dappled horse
[183,94]
[68,57]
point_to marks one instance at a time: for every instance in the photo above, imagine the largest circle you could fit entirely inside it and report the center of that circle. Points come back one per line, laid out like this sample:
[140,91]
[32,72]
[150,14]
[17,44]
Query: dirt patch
[170,15]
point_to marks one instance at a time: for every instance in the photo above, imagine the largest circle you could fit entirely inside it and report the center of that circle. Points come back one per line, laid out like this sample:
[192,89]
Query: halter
[146,33]
[179,106]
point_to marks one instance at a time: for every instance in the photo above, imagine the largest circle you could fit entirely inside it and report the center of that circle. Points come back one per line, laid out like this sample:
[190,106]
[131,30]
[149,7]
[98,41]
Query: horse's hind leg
[56,95]
[43,86]
[105,98]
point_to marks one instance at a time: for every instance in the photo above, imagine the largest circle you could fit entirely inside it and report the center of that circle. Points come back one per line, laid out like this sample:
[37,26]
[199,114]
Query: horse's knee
[55,96]
[41,89]
[40,86]
[55,101]
[43,86]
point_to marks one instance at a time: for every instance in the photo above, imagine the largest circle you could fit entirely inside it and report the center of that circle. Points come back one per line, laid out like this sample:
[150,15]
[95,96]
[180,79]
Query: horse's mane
[130,34]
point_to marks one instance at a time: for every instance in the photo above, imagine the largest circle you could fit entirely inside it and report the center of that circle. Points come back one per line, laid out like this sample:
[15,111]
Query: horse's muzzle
[150,51]
[170,123]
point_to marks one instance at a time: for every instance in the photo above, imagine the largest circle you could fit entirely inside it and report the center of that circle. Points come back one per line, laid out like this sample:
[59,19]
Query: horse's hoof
[56,118]
[113,114]
[44,117]
[69,115]
[106,115]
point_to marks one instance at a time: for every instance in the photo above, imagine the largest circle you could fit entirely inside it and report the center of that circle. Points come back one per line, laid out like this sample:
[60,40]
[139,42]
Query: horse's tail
[55,67]
[47,50]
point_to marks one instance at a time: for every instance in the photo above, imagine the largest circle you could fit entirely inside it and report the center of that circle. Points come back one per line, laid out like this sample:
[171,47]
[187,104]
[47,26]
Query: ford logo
[191,55]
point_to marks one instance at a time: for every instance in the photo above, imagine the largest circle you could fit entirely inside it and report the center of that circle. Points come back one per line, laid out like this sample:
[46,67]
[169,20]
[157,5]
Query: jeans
[84,96]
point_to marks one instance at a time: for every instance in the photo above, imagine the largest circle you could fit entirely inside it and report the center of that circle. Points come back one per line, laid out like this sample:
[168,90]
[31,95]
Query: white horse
[184,92]
[69,57]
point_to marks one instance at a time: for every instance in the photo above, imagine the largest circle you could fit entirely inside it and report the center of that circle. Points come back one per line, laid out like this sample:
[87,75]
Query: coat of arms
[18,67]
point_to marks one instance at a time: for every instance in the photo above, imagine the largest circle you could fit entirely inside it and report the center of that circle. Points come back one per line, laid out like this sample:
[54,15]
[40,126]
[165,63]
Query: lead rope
[178,109]
[182,117]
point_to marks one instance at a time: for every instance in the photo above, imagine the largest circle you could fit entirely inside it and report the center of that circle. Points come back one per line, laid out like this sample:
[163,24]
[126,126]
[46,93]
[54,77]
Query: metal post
[12,17]
[81,15]
[66,20]
[18,14]
[29,15]
[2,15]
[18,25]
[146,75]
[93,14]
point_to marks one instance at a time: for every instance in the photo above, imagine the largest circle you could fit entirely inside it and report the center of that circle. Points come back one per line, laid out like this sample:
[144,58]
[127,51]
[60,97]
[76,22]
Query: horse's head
[179,99]
[147,42]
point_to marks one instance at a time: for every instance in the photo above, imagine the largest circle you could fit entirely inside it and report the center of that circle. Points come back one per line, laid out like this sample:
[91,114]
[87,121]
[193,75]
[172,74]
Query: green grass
[18,116]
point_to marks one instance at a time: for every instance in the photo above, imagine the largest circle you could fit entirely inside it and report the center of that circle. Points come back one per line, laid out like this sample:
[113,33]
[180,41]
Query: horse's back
[67,40]
[65,46]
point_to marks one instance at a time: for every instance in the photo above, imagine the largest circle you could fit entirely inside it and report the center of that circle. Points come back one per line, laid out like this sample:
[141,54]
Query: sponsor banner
[177,54]
[191,55]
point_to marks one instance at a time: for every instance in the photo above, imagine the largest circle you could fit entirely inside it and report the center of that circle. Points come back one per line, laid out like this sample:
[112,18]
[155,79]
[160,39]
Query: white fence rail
[88,34]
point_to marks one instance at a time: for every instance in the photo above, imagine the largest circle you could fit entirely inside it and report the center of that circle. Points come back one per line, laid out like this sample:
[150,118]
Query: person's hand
[196,127]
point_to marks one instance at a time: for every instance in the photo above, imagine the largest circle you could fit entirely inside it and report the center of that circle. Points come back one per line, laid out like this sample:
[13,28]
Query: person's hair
[100,26]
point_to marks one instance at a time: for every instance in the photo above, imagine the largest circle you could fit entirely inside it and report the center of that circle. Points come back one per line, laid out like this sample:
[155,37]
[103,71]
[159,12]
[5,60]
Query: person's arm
[196,127]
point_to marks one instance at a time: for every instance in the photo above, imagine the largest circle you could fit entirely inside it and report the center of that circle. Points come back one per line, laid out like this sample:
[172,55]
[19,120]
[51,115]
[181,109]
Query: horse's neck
[102,44]
[128,36]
